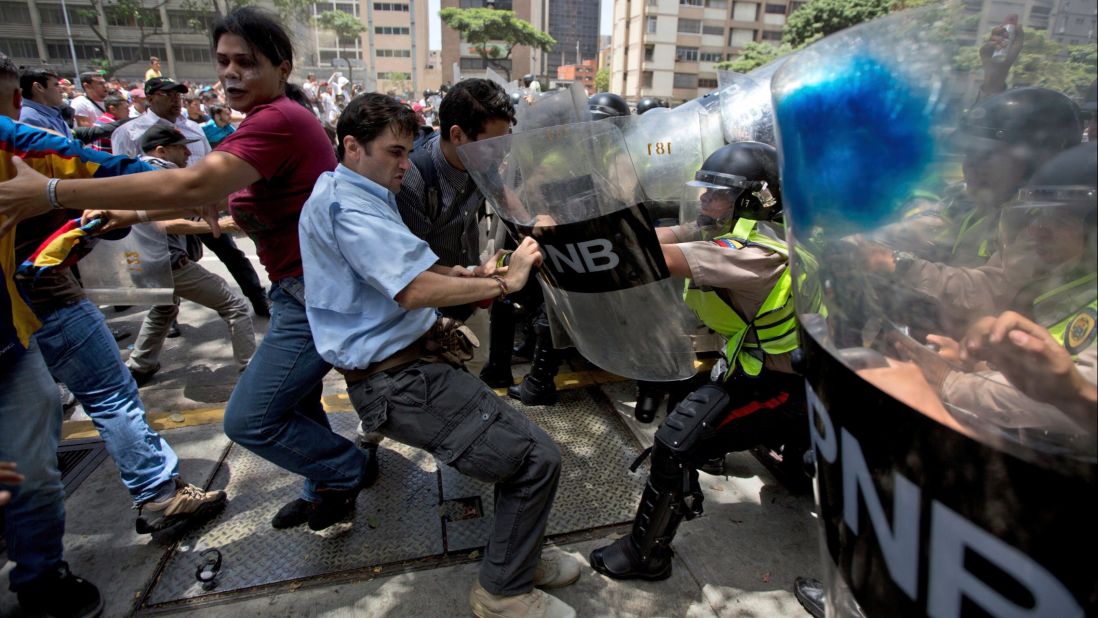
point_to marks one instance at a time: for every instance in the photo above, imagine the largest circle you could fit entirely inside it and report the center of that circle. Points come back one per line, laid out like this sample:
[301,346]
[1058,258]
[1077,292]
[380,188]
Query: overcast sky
[435,29]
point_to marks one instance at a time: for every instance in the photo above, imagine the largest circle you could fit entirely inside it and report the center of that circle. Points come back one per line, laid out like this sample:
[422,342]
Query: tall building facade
[391,52]
[523,60]
[575,26]
[34,32]
[668,48]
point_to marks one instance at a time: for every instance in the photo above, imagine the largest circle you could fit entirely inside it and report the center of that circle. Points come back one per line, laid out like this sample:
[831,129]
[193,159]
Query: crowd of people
[369,228]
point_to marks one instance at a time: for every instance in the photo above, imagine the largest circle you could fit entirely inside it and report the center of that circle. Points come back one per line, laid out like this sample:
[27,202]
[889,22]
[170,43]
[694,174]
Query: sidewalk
[738,559]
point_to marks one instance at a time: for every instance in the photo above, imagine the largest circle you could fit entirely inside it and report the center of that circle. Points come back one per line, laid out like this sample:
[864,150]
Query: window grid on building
[391,6]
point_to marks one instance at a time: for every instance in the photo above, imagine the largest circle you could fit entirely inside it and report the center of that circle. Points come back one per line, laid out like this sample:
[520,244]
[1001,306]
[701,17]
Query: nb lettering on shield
[584,257]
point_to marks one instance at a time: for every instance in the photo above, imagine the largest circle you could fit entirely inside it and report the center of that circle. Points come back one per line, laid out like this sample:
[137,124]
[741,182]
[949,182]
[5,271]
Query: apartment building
[33,32]
[668,48]
[523,60]
[583,73]
[391,53]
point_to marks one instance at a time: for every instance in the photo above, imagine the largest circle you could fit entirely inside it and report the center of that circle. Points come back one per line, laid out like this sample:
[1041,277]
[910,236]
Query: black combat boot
[539,388]
[645,553]
[649,397]
[501,335]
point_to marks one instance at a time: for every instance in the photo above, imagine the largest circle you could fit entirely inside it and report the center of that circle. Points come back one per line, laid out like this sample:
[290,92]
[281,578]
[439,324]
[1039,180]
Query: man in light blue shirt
[373,289]
[42,99]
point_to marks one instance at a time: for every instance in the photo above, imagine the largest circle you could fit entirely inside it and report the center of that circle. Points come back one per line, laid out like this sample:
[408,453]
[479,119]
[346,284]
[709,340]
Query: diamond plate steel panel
[596,486]
[400,518]
[397,519]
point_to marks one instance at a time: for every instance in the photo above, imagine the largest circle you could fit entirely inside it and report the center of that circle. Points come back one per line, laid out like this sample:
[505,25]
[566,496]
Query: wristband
[143,216]
[51,193]
[503,291]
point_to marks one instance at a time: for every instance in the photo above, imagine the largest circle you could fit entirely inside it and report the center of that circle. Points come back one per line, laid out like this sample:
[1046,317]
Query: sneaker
[142,376]
[292,515]
[61,594]
[67,398]
[188,507]
[533,604]
[556,569]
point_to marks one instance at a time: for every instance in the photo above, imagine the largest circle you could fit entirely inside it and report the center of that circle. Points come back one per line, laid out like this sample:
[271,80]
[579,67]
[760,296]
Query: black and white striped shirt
[453,233]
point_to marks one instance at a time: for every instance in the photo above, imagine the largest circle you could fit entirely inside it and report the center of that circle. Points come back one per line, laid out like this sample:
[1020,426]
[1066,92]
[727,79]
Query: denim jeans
[80,351]
[275,410]
[30,429]
[454,416]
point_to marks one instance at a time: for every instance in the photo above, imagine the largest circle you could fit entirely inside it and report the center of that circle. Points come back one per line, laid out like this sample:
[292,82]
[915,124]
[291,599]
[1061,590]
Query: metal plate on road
[417,510]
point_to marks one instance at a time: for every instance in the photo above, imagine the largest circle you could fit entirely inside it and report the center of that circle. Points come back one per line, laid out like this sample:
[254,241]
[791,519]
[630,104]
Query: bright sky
[435,26]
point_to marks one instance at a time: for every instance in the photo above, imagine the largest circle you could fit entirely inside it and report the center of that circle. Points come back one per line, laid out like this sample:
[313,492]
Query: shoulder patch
[1080,332]
[727,243]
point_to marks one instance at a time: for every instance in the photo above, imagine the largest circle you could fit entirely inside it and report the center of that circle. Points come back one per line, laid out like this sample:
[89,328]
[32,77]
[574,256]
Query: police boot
[649,396]
[539,388]
[645,553]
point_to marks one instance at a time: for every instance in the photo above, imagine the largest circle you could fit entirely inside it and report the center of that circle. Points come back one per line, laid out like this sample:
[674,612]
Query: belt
[397,361]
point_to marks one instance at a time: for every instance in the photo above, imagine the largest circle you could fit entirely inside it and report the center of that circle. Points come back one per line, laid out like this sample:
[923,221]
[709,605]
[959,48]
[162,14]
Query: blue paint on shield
[855,143]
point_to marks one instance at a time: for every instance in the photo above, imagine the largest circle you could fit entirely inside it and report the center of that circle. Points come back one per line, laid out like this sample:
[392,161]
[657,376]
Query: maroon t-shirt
[285,143]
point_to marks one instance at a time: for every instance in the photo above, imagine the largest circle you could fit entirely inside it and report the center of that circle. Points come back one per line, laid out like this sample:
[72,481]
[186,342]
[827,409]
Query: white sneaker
[533,604]
[556,569]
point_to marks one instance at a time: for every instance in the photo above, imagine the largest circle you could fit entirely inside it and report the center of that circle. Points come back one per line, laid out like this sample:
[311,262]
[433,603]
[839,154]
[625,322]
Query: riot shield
[746,113]
[551,109]
[666,151]
[949,366]
[707,107]
[491,75]
[134,270]
[573,188]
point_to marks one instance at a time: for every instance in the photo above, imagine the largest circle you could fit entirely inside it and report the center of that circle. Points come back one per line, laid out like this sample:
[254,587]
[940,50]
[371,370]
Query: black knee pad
[693,419]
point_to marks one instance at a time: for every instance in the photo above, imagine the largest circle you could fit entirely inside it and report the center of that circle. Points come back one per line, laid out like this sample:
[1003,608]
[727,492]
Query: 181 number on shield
[659,148]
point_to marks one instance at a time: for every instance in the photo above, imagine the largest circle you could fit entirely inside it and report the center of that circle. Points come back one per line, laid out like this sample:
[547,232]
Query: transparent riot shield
[948,331]
[666,151]
[495,77]
[551,109]
[134,270]
[573,188]
[708,109]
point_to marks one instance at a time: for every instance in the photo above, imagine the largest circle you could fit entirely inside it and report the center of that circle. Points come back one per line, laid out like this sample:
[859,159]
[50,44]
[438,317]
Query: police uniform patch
[1080,332]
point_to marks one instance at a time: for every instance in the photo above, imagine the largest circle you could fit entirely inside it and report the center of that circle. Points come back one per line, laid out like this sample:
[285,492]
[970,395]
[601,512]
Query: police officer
[607,105]
[739,285]
[648,104]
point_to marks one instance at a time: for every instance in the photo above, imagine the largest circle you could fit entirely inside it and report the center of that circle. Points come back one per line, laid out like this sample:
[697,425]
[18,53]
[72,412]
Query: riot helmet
[607,105]
[738,180]
[648,104]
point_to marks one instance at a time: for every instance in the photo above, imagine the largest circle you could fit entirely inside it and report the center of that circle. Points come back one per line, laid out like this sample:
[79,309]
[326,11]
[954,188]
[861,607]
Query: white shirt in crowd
[86,108]
[126,139]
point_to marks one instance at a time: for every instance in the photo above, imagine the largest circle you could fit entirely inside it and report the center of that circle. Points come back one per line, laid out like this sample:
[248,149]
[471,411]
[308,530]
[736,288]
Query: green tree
[346,27]
[819,18]
[126,12]
[495,33]
[602,80]
[754,55]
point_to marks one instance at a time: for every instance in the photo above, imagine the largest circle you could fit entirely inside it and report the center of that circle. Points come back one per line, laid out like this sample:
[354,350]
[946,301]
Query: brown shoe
[189,506]
[533,604]
[556,569]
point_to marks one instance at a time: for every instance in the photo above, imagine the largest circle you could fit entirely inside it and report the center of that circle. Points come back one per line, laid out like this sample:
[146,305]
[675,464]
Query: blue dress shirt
[44,117]
[358,255]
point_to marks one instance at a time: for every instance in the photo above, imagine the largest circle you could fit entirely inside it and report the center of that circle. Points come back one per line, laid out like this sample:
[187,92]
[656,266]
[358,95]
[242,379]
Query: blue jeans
[80,352]
[275,410]
[30,429]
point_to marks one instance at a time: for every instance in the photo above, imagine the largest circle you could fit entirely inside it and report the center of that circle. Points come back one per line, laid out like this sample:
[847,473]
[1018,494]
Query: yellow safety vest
[1076,332]
[775,324]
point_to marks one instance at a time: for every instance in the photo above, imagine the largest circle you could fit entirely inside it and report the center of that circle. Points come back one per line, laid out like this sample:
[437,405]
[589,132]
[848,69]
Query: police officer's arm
[431,289]
[676,261]
[1034,363]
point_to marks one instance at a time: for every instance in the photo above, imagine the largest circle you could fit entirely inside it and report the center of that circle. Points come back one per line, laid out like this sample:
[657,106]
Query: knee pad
[693,419]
